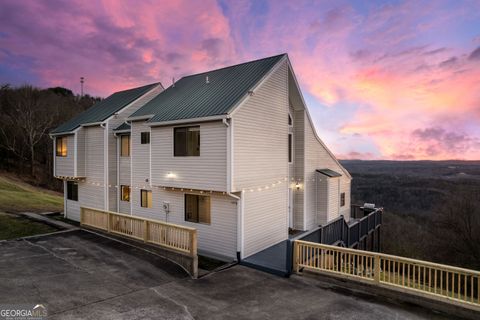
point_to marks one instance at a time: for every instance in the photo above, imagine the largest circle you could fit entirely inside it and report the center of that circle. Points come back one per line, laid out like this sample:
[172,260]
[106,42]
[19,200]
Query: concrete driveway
[81,275]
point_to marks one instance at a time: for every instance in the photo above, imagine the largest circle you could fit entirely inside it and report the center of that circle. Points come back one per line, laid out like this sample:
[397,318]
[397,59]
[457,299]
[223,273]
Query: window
[72,190]
[145,138]
[61,145]
[187,141]
[146,198]
[125,146]
[197,208]
[342,199]
[125,193]
[290,149]
[290,121]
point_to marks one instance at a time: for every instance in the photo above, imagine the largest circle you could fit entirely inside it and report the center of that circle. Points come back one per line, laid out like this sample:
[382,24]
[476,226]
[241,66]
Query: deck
[363,226]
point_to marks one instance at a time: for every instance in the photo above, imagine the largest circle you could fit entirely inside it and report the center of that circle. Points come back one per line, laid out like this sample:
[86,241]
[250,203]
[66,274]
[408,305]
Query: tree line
[425,217]
[27,115]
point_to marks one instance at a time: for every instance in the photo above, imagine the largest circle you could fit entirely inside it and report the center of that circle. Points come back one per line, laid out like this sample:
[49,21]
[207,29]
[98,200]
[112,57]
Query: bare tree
[26,118]
[457,230]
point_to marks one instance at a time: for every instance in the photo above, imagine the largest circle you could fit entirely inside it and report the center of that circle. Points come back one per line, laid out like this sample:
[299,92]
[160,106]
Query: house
[231,152]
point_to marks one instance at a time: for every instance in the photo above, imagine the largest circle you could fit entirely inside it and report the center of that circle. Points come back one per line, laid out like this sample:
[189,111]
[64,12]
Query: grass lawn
[17,196]
[12,226]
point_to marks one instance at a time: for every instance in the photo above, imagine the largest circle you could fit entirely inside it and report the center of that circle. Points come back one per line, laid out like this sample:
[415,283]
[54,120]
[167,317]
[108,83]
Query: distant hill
[424,205]
[451,169]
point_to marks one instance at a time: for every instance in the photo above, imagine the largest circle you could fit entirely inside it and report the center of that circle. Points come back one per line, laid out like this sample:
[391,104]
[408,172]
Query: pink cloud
[384,74]
[116,44]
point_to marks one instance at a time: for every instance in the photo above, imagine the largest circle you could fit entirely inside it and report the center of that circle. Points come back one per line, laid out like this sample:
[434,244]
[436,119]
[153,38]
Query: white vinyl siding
[124,179]
[80,152]
[317,157]
[91,193]
[90,161]
[265,220]
[65,166]
[260,158]
[73,209]
[205,172]
[345,185]
[216,239]
[140,161]
[299,169]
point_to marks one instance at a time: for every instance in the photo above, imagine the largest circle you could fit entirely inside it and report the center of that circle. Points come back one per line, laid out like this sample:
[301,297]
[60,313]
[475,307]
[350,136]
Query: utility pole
[82,80]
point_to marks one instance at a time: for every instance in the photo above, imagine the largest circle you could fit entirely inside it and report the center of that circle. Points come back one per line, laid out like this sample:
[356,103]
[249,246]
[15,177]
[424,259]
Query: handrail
[339,230]
[176,238]
[143,219]
[451,284]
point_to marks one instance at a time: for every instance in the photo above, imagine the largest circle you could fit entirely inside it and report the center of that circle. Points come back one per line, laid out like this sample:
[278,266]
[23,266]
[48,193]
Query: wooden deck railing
[173,237]
[442,282]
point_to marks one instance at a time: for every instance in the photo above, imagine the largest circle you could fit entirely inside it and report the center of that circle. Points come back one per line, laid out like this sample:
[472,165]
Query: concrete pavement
[79,274]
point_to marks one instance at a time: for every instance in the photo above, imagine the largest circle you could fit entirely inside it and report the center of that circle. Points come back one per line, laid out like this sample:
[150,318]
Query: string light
[296,184]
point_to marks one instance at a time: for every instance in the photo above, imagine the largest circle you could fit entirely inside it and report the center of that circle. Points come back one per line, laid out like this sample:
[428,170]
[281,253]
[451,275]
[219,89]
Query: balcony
[361,232]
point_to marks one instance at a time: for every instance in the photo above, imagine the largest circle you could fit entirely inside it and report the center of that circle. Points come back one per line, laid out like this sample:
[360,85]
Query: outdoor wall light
[297,185]
[171,175]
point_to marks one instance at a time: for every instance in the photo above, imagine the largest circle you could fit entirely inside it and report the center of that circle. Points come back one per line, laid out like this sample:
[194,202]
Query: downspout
[240,205]
[105,164]
[118,171]
[54,153]
[65,199]
[239,223]
[229,154]
[131,165]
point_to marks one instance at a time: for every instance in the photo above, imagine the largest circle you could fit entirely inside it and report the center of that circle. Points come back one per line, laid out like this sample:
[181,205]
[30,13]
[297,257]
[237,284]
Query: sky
[393,80]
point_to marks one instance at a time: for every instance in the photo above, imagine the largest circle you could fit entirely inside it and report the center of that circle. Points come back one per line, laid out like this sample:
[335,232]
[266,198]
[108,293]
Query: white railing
[442,282]
[174,237]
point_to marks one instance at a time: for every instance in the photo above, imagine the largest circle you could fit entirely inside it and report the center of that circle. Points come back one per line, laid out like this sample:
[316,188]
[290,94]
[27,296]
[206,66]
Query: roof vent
[206,80]
[173,82]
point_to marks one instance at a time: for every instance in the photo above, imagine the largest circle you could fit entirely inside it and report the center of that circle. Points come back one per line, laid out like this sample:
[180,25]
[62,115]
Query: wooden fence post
[295,257]
[376,271]
[108,222]
[82,215]
[193,243]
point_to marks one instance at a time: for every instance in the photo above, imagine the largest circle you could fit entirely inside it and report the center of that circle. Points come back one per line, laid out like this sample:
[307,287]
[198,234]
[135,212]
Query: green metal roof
[329,173]
[124,126]
[192,97]
[104,109]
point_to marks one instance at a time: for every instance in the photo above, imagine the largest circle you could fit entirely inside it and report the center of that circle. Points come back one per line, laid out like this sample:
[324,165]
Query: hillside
[432,208]
[18,196]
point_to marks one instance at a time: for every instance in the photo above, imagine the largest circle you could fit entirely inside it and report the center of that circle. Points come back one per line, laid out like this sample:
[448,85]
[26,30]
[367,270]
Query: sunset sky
[382,79]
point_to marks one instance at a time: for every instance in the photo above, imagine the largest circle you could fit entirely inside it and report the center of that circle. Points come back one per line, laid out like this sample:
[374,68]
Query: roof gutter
[189,120]
[52,135]
[99,123]
[145,117]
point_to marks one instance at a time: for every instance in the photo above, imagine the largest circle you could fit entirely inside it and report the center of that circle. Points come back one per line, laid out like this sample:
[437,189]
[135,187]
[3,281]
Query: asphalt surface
[81,275]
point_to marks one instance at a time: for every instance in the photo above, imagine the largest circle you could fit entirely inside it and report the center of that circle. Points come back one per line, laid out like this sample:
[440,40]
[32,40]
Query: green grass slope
[17,196]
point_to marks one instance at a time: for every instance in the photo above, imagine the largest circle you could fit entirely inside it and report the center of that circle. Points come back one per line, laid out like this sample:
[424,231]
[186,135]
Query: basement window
[125,146]
[145,137]
[72,190]
[342,199]
[61,146]
[146,198]
[197,208]
[125,193]
[186,141]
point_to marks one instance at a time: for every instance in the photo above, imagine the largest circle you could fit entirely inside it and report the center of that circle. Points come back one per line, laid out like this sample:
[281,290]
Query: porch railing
[173,237]
[348,234]
[442,282]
